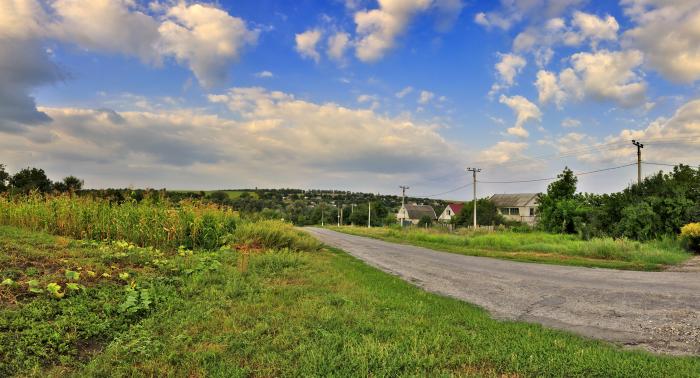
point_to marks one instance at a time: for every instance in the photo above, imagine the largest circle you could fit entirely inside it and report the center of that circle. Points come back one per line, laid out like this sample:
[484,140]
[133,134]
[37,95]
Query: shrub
[271,234]
[690,234]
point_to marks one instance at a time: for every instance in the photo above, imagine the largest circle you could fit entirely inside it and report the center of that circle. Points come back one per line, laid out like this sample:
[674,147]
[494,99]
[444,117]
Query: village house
[412,213]
[521,207]
[450,211]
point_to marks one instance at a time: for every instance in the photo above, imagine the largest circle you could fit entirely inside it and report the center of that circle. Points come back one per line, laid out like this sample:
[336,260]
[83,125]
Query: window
[510,211]
[532,211]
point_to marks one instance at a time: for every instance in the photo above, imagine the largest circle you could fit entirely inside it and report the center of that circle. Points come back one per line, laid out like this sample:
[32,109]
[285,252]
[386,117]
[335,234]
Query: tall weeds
[152,222]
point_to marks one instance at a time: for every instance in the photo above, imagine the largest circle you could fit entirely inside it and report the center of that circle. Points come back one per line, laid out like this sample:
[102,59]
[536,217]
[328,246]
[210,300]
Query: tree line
[35,179]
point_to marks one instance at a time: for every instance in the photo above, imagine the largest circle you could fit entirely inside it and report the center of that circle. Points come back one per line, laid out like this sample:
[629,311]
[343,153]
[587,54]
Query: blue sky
[355,95]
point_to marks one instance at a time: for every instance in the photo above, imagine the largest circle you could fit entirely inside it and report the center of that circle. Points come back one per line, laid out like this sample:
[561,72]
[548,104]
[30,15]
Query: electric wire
[554,178]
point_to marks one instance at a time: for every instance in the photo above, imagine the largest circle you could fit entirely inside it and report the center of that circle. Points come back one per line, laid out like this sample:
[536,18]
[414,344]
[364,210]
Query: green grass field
[285,309]
[537,247]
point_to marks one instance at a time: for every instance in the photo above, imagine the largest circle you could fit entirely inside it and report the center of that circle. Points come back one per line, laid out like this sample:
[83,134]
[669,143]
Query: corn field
[151,222]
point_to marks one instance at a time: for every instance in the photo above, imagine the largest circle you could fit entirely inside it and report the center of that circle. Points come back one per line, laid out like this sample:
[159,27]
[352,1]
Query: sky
[358,95]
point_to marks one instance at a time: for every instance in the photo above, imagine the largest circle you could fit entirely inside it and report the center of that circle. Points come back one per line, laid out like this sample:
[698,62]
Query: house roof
[456,207]
[419,211]
[513,200]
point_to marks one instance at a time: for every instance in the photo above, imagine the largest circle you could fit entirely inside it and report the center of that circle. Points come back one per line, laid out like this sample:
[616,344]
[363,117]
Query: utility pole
[321,214]
[369,215]
[337,206]
[639,160]
[474,171]
[352,211]
[403,201]
[403,194]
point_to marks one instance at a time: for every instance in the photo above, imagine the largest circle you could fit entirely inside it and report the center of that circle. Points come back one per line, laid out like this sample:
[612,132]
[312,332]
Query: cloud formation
[206,39]
[306,44]
[668,34]
[507,68]
[601,76]
[524,110]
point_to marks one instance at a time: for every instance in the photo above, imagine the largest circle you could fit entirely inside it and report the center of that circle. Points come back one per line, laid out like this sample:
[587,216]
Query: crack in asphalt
[657,311]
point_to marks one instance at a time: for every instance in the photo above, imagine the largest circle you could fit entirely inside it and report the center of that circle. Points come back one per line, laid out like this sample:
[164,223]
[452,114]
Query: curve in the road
[658,311]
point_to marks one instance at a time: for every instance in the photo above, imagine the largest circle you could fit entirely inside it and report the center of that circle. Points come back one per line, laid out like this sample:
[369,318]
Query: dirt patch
[692,265]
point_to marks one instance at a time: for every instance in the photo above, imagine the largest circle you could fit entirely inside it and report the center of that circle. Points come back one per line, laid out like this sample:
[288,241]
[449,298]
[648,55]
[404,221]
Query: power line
[447,192]
[554,178]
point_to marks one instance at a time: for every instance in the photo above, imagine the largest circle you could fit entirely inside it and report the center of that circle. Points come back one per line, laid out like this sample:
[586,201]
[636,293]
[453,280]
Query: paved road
[658,311]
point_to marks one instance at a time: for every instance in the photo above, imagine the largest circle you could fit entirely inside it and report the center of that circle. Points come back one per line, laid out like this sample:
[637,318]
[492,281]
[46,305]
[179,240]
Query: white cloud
[306,44]
[264,74]
[667,140]
[402,93]
[113,26]
[601,76]
[337,44]
[274,139]
[548,88]
[524,110]
[507,68]
[206,39]
[570,123]
[512,12]
[502,152]
[593,28]
[668,34]
[425,97]
[377,29]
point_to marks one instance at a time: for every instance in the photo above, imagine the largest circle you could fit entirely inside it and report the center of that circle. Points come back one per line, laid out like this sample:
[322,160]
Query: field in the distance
[315,313]
[537,247]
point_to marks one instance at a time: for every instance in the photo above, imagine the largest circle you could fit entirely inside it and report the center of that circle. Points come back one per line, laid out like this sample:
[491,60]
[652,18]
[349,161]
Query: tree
[486,214]
[69,184]
[560,209]
[29,179]
[425,221]
[4,178]
[218,196]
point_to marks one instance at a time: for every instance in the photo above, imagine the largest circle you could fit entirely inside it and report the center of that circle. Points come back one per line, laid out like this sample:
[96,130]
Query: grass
[304,313]
[538,247]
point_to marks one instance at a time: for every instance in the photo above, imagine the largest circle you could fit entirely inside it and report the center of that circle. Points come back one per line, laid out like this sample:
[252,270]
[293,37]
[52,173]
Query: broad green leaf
[72,275]
[55,289]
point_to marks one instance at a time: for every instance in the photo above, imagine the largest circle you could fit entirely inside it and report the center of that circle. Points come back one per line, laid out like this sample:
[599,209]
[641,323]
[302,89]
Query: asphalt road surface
[657,311]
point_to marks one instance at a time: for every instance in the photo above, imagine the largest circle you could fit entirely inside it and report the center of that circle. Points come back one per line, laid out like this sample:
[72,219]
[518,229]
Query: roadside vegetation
[283,308]
[537,246]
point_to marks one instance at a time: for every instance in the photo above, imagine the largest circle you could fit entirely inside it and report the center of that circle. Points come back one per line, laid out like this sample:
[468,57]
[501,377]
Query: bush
[690,235]
[271,234]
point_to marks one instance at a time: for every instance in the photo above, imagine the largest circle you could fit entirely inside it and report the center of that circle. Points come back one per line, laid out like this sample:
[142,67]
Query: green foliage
[70,184]
[270,234]
[152,222]
[137,302]
[29,179]
[538,246]
[293,313]
[486,214]
[690,235]
[4,178]
[425,221]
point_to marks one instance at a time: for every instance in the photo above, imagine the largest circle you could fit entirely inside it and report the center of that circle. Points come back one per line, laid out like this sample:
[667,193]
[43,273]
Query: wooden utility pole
[403,194]
[473,171]
[639,160]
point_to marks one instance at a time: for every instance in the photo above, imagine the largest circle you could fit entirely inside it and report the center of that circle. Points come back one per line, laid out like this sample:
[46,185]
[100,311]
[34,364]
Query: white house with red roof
[450,211]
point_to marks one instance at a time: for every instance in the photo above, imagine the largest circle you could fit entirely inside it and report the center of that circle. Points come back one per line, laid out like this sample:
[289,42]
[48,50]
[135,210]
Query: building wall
[523,216]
